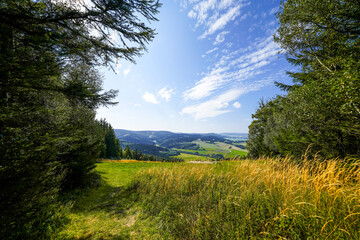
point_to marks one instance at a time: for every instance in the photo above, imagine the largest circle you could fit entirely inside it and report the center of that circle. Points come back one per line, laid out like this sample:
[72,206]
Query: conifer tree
[128,153]
[49,92]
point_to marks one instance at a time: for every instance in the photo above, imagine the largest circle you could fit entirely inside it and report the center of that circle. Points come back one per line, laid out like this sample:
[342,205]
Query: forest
[51,142]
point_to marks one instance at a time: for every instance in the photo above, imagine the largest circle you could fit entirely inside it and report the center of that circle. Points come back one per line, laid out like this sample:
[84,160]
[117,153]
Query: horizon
[152,130]
[206,70]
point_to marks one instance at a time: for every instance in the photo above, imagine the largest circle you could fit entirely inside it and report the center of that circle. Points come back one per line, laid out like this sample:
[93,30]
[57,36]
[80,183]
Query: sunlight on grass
[110,211]
[267,199]
[191,157]
[262,199]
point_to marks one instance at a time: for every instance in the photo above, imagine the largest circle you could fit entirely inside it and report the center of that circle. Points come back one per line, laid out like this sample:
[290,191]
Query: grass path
[110,211]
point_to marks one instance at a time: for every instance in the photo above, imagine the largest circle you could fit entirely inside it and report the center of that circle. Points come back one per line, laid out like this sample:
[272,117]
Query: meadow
[208,149]
[249,199]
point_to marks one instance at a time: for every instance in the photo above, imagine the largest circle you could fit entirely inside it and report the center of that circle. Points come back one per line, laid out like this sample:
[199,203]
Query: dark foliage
[320,115]
[49,90]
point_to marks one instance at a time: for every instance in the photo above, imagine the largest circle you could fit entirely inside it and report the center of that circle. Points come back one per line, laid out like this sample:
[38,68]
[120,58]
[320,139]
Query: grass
[227,150]
[262,199]
[235,153]
[265,199]
[191,157]
[110,211]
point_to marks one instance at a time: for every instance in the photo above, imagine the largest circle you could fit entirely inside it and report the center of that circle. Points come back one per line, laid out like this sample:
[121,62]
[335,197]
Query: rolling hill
[168,144]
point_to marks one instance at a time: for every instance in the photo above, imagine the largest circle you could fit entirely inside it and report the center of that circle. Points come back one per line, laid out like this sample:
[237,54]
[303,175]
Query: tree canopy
[49,91]
[321,113]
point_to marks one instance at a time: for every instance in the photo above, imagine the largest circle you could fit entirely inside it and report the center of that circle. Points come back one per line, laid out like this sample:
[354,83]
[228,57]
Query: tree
[111,145]
[49,90]
[322,37]
[118,148]
[259,142]
[128,153]
[320,114]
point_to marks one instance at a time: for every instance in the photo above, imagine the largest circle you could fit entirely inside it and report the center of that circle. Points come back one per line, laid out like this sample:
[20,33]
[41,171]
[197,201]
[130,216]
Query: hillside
[168,144]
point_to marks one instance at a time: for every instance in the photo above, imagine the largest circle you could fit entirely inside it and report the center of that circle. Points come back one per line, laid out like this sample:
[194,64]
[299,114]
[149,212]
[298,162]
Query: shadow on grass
[102,206]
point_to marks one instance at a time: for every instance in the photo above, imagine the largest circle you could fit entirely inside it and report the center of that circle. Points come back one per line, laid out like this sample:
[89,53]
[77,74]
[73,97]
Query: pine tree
[128,153]
[49,91]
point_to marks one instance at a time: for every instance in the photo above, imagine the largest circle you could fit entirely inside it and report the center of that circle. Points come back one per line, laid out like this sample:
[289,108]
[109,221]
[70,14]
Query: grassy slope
[191,157]
[110,211]
[264,199]
[268,199]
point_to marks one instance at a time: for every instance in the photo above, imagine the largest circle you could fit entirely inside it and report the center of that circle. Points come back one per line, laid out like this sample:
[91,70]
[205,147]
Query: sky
[205,71]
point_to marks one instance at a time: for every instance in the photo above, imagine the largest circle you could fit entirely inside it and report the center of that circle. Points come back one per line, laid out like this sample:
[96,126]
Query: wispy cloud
[166,93]
[235,67]
[214,15]
[233,71]
[149,97]
[221,22]
[220,37]
[209,51]
[206,85]
[220,104]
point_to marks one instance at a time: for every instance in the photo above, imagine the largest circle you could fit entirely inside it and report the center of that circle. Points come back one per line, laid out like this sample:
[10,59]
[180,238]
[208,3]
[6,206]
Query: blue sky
[206,70]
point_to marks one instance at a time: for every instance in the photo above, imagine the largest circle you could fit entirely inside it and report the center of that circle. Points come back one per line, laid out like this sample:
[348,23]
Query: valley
[165,144]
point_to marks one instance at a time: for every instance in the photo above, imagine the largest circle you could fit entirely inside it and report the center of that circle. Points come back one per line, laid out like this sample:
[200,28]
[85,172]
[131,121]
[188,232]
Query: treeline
[320,114]
[50,89]
[111,148]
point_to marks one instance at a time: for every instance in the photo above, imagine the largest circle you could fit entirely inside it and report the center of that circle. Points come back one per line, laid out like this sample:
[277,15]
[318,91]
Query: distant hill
[164,138]
[235,136]
[163,143]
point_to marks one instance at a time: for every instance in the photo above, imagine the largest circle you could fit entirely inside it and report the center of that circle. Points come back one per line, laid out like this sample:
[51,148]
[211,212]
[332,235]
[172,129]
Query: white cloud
[237,105]
[149,97]
[234,68]
[209,51]
[213,107]
[127,71]
[192,14]
[221,22]
[220,37]
[166,93]
[244,16]
[206,85]
[220,105]
[214,15]
[225,4]
[232,71]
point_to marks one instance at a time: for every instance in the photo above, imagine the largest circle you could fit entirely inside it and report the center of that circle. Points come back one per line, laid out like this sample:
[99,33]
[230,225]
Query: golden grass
[260,199]
[126,161]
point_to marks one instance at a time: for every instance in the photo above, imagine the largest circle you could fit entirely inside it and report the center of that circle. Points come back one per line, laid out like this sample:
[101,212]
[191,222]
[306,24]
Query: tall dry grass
[262,199]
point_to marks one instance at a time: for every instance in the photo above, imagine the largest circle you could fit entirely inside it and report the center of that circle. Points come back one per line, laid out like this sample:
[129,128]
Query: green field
[191,157]
[206,148]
